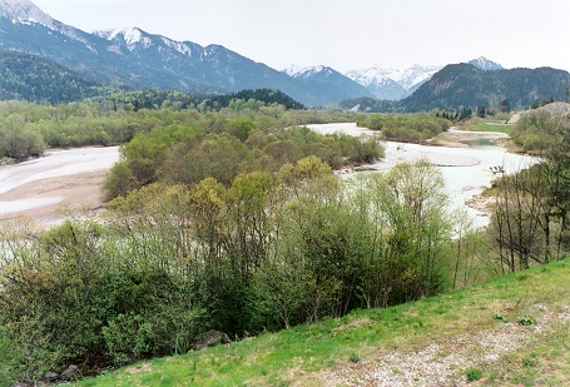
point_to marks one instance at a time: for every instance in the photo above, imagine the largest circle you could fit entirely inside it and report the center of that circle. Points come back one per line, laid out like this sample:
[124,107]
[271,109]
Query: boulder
[71,373]
[211,339]
[50,377]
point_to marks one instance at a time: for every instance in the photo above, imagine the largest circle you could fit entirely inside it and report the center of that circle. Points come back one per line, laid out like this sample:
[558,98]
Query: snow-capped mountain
[393,83]
[378,83]
[24,11]
[328,81]
[136,58]
[485,64]
[398,83]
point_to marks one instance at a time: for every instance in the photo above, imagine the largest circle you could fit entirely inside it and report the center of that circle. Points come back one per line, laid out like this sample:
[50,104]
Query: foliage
[461,86]
[371,105]
[539,130]
[302,354]
[240,100]
[33,78]
[27,129]
[233,146]
[406,128]
[530,223]
[264,252]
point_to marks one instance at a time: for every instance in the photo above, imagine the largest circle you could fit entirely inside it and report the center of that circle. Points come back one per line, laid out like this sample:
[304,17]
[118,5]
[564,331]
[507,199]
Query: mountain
[465,85]
[485,64]
[138,59]
[32,78]
[326,84]
[392,83]
[375,80]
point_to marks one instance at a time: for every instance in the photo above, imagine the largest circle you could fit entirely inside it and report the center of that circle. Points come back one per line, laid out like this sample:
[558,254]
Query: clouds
[347,34]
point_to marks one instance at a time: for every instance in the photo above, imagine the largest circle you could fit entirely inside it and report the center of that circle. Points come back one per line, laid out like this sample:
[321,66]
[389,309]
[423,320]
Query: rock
[70,373]
[211,339]
[51,377]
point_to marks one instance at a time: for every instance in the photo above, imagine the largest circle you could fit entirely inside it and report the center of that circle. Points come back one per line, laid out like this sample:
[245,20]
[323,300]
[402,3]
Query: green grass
[489,126]
[302,352]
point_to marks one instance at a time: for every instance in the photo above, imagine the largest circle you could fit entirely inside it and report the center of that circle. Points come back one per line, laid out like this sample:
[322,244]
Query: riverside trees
[267,251]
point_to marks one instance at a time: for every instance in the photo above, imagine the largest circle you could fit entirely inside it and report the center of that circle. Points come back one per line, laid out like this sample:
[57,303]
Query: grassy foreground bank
[305,354]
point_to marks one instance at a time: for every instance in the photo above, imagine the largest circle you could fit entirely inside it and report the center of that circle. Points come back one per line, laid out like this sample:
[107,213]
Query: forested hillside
[465,85]
[32,78]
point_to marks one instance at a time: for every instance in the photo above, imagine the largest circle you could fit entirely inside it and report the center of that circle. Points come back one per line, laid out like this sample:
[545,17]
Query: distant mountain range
[390,83]
[326,81]
[467,85]
[394,84]
[134,59]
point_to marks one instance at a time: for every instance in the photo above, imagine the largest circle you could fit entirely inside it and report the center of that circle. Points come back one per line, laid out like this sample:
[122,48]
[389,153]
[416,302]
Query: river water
[466,171]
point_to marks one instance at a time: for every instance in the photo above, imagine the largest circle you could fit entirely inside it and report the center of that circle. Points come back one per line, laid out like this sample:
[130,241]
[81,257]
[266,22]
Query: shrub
[473,375]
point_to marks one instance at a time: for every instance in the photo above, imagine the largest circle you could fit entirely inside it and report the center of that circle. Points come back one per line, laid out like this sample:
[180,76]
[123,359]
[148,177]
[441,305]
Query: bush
[406,128]
[72,301]
[473,375]
[269,251]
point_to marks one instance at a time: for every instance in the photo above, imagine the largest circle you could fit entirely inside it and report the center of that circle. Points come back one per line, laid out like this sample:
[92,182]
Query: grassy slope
[300,353]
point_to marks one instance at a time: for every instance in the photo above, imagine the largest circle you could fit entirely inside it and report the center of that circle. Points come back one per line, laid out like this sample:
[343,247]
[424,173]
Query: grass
[299,354]
[478,125]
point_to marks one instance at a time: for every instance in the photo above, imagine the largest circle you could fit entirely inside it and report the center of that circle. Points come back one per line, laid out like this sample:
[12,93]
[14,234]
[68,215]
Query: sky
[346,34]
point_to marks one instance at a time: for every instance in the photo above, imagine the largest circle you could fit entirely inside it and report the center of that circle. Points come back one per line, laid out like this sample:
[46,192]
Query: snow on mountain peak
[486,64]
[369,76]
[131,36]
[24,11]
[407,77]
[135,37]
[303,72]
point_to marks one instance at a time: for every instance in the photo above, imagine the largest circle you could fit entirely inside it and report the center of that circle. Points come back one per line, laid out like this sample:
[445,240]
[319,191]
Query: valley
[179,208]
[466,169]
[68,184]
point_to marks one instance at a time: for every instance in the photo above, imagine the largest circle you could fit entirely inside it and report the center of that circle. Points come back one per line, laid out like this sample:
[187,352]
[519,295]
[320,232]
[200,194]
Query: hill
[32,78]
[465,85]
[511,331]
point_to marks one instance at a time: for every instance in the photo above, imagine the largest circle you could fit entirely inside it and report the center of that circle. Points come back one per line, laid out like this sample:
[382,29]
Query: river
[466,171]
[49,188]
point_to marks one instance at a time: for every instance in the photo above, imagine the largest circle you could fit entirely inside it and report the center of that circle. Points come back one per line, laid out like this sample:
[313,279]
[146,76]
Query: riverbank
[466,169]
[61,184]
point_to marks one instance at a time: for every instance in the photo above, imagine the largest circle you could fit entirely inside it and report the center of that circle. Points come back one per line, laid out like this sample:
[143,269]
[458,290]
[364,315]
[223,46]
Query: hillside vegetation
[464,86]
[528,313]
[32,78]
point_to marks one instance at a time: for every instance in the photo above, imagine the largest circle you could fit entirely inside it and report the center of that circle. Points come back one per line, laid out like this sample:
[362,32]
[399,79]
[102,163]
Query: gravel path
[444,363]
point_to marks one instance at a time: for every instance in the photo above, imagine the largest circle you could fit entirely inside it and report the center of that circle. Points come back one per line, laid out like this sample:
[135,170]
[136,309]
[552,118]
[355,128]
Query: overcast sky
[347,34]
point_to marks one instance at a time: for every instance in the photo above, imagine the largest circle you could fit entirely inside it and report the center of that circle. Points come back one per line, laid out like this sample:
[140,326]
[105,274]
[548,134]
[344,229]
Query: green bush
[473,375]
[267,252]
[413,128]
[75,302]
